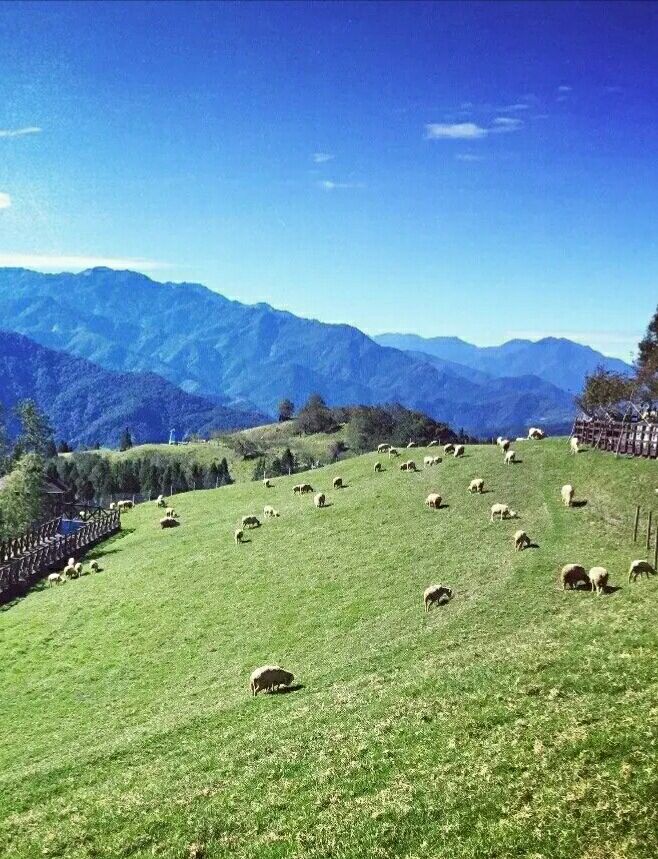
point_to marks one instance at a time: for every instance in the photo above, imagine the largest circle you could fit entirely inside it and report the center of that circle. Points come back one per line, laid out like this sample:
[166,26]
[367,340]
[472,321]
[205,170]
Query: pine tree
[126,440]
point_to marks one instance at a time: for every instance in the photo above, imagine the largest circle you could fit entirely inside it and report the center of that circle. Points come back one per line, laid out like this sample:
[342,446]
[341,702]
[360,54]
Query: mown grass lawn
[517,721]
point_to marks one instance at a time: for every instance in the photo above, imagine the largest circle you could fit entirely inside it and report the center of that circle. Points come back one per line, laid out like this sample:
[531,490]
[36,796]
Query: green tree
[36,435]
[605,389]
[126,440]
[315,417]
[21,499]
[286,410]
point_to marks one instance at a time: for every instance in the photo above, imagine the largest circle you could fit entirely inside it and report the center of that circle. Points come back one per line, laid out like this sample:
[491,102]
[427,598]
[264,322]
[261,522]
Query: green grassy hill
[270,439]
[517,721]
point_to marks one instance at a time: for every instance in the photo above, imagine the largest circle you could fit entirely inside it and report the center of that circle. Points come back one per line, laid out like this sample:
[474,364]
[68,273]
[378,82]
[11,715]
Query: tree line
[618,395]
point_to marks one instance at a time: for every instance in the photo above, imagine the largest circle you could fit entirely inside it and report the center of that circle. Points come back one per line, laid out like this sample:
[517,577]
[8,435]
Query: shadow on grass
[532,546]
[608,590]
[581,503]
[285,690]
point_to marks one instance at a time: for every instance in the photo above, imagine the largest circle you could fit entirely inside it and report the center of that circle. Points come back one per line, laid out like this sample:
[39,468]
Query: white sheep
[393,451]
[428,460]
[436,595]
[320,500]
[598,577]
[337,483]
[238,536]
[305,488]
[449,448]
[573,445]
[510,457]
[160,501]
[94,567]
[433,443]
[113,506]
[521,541]
[504,445]
[382,448]
[269,512]
[567,494]
[268,678]
[476,485]
[78,569]
[536,434]
[572,575]
[70,572]
[436,460]
[55,579]
[459,450]
[412,444]
[169,522]
[171,513]
[502,511]
[499,440]
[377,467]
[267,483]
[433,500]
[638,569]
[71,562]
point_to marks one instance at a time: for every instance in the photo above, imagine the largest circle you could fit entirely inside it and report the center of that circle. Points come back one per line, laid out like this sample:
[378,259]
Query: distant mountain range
[248,357]
[87,404]
[554,359]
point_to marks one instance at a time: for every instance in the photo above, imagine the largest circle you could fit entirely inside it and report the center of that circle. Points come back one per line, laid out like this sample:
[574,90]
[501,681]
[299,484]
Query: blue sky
[483,170]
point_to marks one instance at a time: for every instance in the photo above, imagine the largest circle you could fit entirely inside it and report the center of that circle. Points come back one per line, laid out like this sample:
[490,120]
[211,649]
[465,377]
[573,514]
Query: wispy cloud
[328,185]
[19,132]
[613,89]
[506,123]
[470,130]
[468,156]
[511,108]
[564,88]
[5,200]
[454,131]
[322,157]
[63,262]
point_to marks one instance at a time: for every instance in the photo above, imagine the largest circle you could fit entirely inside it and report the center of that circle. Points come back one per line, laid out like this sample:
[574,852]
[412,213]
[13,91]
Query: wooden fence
[25,559]
[635,438]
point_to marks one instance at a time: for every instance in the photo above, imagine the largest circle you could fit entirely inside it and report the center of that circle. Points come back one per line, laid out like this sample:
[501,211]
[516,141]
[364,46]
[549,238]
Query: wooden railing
[25,559]
[624,437]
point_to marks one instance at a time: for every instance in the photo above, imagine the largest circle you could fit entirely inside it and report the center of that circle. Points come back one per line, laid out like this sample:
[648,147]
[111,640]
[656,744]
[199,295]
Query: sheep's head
[513,514]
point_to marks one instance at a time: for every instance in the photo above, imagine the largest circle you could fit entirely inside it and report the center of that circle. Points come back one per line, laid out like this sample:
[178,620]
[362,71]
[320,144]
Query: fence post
[649,531]
[637,522]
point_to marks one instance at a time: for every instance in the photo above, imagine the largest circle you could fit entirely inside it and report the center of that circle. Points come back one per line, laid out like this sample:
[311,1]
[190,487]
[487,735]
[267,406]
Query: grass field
[516,721]
[270,439]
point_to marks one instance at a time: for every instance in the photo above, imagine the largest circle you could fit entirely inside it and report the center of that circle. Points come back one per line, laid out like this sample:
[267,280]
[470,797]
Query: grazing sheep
[393,451]
[436,460]
[573,445]
[567,494]
[55,579]
[503,512]
[238,536]
[433,443]
[536,434]
[598,577]
[412,444]
[319,500]
[305,488]
[449,448]
[94,567]
[459,450]
[428,460]
[297,489]
[269,512]
[410,465]
[171,513]
[382,448]
[639,569]
[433,500]
[338,483]
[436,595]
[78,569]
[169,522]
[268,678]
[71,562]
[126,504]
[504,445]
[499,440]
[160,501]
[572,575]
[113,506]
[521,541]
[267,483]
[476,485]
[510,457]
[70,572]
[377,467]
[250,522]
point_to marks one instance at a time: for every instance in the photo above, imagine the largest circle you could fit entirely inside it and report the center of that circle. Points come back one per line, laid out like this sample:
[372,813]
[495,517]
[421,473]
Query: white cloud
[519,105]
[564,89]
[57,262]
[328,185]
[468,156]
[454,131]
[19,132]
[5,200]
[322,157]
[506,123]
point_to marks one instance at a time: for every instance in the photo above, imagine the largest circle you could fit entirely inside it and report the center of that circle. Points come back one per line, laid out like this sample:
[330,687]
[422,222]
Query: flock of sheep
[572,576]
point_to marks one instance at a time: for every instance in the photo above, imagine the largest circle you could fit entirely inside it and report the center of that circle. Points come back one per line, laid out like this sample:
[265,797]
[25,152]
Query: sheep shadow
[443,507]
[609,590]
[517,462]
[326,504]
[579,504]
[286,690]
[245,540]
[532,546]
